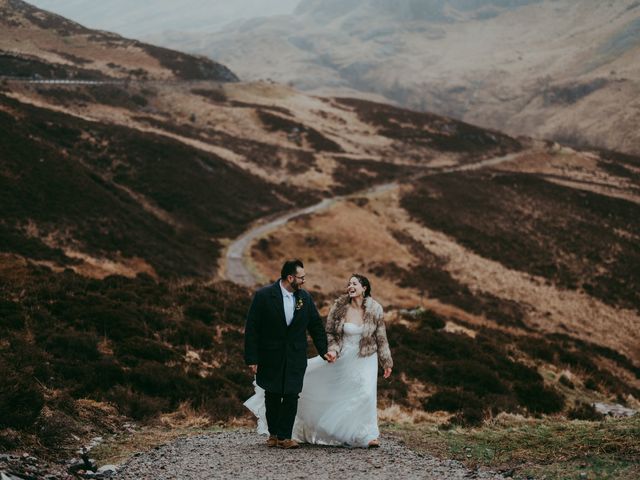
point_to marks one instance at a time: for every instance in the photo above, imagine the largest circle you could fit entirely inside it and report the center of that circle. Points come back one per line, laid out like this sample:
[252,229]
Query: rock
[614,409]
[108,470]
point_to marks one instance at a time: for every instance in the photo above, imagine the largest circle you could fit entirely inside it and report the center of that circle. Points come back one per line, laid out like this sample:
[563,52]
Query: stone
[8,476]
[108,470]
[614,409]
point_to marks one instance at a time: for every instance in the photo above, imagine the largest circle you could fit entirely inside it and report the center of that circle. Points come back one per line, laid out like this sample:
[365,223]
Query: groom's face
[297,280]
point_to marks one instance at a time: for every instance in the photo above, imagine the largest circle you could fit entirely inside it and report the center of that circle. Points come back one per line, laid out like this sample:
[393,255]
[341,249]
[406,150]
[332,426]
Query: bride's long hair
[364,281]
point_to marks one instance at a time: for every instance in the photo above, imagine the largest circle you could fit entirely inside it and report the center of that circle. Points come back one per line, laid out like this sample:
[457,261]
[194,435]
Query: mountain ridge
[494,71]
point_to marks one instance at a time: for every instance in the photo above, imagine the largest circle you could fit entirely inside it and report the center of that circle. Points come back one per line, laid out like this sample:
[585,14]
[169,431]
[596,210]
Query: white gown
[337,404]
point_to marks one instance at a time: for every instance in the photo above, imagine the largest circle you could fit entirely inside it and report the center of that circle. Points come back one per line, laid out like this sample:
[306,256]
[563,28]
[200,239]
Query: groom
[275,347]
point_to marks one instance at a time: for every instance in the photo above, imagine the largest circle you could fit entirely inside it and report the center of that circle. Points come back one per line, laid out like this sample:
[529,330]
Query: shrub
[432,320]
[564,380]
[55,430]
[473,376]
[223,407]
[584,411]
[201,311]
[194,333]
[73,345]
[135,404]
[451,400]
[159,380]
[591,384]
[9,439]
[116,321]
[11,315]
[144,348]
[538,398]
[469,417]
[64,402]
[106,373]
[20,400]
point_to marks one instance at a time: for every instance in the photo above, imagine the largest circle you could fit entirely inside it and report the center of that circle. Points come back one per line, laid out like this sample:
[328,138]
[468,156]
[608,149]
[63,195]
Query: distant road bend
[78,81]
[238,267]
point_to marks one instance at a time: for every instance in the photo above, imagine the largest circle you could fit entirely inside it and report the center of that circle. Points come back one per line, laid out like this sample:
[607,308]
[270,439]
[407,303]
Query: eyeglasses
[299,278]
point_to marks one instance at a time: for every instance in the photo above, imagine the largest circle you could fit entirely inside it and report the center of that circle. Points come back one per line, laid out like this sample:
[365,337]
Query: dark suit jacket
[280,351]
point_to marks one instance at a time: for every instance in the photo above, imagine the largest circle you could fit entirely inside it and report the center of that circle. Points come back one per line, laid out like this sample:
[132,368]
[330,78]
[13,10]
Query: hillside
[31,34]
[561,70]
[155,162]
[508,288]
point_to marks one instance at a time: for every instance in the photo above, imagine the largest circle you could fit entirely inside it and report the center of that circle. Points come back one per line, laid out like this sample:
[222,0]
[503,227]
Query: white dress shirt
[288,300]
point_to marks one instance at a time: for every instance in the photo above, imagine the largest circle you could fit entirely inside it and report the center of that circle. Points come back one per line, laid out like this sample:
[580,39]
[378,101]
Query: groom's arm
[251,332]
[316,329]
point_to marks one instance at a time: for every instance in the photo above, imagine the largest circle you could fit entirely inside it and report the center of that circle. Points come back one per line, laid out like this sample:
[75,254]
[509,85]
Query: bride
[337,404]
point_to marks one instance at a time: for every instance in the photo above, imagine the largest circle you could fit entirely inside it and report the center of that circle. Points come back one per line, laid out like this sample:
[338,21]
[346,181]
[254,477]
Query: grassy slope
[533,225]
[146,347]
[64,176]
[549,448]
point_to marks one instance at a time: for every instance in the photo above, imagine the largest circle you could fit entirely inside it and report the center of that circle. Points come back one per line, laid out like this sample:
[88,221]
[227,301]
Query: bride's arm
[384,353]
[330,328]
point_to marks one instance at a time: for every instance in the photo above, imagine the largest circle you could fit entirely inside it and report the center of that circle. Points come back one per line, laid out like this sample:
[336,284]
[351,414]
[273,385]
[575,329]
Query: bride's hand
[387,373]
[330,356]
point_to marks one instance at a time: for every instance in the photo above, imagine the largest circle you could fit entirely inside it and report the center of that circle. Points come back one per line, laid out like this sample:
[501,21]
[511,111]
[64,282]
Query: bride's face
[355,288]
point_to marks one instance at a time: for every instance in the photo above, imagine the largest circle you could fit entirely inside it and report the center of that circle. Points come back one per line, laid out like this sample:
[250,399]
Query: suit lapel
[278,303]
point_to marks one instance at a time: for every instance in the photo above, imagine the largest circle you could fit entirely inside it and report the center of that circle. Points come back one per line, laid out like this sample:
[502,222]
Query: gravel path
[244,455]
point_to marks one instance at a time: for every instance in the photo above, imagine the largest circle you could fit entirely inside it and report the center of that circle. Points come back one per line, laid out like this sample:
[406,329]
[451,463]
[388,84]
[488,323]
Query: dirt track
[237,266]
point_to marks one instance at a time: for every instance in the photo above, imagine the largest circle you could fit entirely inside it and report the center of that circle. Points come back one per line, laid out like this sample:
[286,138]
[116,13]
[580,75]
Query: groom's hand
[253,368]
[330,357]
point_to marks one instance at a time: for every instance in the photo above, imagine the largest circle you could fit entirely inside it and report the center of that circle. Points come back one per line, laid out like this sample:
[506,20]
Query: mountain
[506,266]
[564,70]
[30,32]
[115,147]
[144,19]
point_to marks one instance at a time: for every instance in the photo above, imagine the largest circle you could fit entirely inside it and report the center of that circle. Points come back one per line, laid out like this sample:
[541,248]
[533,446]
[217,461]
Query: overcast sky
[138,18]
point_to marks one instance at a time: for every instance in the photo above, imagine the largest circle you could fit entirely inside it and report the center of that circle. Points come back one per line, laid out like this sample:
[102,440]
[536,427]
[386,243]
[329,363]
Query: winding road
[238,267]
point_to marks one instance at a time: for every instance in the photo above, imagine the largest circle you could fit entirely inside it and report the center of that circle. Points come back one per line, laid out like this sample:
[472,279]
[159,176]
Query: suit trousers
[281,413]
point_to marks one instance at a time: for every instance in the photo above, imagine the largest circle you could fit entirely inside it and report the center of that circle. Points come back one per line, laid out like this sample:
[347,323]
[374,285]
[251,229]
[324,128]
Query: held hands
[330,356]
[387,373]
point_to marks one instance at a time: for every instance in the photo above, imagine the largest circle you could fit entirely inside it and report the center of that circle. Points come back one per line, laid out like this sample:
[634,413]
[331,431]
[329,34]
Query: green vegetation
[476,377]
[493,372]
[523,221]
[419,129]
[144,347]
[550,448]
[67,178]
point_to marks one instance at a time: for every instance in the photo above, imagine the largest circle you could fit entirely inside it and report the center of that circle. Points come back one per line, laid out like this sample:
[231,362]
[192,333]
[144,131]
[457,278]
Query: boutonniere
[299,304]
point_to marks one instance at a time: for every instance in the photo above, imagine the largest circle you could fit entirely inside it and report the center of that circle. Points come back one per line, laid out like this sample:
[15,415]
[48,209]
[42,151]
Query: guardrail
[60,81]
[125,82]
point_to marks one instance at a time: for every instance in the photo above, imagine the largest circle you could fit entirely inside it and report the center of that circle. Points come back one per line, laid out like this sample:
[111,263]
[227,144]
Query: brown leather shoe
[272,441]
[374,444]
[288,444]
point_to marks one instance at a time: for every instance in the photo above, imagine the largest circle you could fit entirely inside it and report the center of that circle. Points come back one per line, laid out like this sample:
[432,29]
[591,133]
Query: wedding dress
[337,404]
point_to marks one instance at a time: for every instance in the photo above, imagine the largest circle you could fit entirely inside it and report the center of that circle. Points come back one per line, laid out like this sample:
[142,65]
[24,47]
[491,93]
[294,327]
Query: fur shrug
[374,334]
